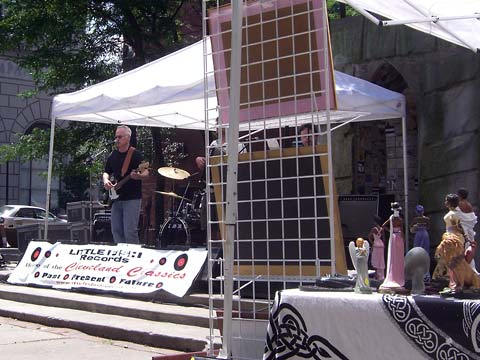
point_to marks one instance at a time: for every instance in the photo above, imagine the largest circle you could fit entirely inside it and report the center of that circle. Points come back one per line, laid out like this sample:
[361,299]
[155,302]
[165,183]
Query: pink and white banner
[124,268]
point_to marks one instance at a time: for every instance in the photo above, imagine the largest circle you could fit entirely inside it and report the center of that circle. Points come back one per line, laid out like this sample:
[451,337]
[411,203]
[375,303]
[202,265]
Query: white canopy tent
[169,92]
[357,100]
[453,21]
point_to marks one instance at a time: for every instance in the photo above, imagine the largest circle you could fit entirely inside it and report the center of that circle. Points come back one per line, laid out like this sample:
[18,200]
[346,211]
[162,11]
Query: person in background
[216,149]
[306,136]
[125,209]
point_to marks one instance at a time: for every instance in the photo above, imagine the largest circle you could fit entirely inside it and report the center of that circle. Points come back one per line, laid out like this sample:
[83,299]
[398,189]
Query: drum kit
[185,215]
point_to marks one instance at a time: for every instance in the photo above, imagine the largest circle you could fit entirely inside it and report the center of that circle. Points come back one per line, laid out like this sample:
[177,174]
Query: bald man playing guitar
[125,165]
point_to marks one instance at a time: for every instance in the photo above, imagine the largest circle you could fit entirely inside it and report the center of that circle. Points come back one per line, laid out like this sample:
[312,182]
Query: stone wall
[444,83]
[17,116]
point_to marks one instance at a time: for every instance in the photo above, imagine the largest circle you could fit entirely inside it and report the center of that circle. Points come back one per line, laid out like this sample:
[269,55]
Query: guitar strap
[126,162]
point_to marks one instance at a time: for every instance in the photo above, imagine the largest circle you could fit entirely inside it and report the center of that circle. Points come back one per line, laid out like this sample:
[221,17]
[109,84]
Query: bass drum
[174,231]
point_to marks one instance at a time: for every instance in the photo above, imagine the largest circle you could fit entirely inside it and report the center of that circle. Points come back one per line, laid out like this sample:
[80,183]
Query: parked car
[12,216]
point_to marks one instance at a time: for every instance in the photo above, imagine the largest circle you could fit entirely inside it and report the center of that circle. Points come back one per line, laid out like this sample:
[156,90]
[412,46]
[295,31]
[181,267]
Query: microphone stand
[89,161]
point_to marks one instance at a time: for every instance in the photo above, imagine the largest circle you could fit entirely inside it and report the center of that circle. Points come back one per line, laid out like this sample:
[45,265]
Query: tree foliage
[74,43]
[338,10]
[69,44]
[72,160]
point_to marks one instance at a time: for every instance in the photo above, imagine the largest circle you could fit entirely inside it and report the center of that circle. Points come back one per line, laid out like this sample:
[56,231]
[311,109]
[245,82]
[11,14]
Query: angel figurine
[359,252]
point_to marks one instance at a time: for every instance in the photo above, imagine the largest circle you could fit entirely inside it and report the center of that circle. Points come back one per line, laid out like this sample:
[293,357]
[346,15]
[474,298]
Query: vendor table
[346,325]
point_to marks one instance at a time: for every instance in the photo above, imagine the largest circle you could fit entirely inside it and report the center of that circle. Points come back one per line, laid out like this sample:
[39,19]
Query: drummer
[200,161]
[215,149]
[193,144]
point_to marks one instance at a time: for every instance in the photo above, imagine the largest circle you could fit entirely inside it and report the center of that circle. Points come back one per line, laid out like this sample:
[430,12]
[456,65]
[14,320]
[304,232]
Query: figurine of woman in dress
[419,227]
[468,220]
[454,229]
[378,248]
[395,277]
[455,251]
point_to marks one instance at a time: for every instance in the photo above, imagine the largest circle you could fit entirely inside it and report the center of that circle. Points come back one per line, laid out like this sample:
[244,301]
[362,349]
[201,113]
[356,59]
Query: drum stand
[183,198]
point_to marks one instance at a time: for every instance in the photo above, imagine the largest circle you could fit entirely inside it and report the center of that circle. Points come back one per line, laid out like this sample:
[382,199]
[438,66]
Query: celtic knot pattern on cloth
[288,337]
[471,321]
[420,332]
[398,306]
[446,352]
[422,335]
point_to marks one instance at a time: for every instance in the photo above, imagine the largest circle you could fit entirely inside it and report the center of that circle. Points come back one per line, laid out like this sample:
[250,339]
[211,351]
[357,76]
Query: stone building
[21,182]
[441,82]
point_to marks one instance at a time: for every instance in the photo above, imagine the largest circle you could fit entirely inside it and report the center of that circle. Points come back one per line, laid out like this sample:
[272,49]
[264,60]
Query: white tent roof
[455,21]
[169,92]
[357,100]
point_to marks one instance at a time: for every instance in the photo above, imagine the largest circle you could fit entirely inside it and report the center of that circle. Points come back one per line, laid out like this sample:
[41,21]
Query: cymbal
[173,173]
[172,194]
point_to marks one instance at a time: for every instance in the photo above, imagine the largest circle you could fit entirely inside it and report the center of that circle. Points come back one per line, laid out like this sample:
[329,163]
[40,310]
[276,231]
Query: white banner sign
[125,268]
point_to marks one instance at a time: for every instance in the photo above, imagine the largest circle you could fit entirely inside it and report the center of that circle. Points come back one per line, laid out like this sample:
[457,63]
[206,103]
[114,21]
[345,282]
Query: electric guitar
[112,193]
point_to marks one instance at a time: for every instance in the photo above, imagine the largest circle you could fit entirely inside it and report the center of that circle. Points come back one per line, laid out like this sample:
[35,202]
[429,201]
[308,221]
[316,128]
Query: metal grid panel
[285,234]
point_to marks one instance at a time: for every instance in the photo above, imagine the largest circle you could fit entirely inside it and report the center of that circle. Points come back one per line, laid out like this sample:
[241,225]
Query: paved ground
[28,341]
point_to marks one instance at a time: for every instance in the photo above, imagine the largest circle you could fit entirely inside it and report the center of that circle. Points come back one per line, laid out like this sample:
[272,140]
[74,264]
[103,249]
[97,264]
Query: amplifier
[80,210]
[80,232]
[102,229]
[27,233]
[102,217]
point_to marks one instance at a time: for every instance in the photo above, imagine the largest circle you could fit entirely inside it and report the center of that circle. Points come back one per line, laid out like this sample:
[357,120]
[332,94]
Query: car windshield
[6,210]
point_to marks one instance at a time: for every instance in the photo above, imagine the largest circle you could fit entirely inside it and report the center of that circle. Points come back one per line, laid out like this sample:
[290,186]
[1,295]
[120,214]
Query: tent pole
[414,5]
[362,11]
[232,167]
[405,179]
[432,18]
[436,20]
[49,178]
[331,199]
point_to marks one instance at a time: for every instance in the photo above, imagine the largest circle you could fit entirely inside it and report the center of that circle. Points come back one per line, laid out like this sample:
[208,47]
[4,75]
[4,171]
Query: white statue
[359,253]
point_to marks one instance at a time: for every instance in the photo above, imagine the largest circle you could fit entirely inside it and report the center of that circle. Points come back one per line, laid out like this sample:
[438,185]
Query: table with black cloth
[346,325]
